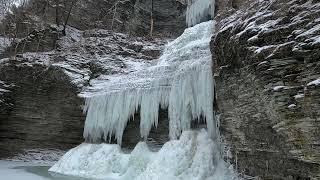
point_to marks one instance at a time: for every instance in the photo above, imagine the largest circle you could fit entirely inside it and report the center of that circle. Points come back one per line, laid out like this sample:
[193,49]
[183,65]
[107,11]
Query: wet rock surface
[268,96]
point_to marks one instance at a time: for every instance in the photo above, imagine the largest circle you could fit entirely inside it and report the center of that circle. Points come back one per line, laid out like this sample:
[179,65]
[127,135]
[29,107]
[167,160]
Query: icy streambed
[18,170]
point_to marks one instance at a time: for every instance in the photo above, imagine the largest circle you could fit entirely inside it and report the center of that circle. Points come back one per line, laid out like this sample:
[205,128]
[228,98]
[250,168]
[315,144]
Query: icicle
[199,10]
[181,81]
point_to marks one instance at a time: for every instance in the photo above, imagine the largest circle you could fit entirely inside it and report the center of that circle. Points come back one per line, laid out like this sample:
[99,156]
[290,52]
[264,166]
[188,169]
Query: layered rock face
[268,92]
[40,107]
[126,16]
[169,17]
[39,103]
[133,16]
[44,113]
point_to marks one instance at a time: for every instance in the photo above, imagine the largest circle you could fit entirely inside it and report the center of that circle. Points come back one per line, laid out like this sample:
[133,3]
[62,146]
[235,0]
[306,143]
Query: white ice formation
[193,157]
[198,11]
[181,81]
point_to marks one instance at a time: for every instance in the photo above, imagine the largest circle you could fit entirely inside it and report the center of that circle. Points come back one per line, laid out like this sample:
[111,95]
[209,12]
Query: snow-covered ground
[11,170]
[17,170]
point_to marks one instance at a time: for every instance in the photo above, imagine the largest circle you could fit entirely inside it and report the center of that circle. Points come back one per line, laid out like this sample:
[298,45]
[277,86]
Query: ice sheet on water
[181,81]
[9,171]
[193,157]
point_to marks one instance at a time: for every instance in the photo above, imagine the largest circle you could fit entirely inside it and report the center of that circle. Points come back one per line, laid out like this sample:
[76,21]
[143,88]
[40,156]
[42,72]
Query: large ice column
[198,11]
[181,81]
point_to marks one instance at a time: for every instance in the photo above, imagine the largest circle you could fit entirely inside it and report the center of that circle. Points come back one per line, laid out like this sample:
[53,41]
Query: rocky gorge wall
[126,16]
[267,72]
[39,103]
[45,110]
[266,56]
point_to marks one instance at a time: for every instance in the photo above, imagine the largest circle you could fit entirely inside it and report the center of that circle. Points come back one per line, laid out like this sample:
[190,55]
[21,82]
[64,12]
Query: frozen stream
[16,170]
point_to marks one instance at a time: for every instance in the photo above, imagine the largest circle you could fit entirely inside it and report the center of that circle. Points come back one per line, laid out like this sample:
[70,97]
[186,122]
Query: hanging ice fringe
[181,81]
[198,11]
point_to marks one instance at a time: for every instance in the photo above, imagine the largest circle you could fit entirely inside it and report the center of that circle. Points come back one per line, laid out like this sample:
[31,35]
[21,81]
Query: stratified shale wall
[267,56]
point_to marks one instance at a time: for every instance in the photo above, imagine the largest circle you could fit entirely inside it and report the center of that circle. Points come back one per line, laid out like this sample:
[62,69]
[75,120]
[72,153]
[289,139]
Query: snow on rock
[193,157]
[199,10]
[315,83]
[299,96]
[4,87]
[181,81]
[278,88]
[315,40]
[313,31]
[261,49]
[90,55]
[14,171]
[292,106]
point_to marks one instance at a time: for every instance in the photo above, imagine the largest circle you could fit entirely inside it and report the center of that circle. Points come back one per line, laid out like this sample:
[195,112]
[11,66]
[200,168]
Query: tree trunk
[57,13]
[68,16]
[151,19]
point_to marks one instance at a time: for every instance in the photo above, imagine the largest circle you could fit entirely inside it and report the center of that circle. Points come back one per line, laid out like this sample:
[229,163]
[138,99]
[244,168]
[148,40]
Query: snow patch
[260,49]
[299,96]
[315,83]
[313,31]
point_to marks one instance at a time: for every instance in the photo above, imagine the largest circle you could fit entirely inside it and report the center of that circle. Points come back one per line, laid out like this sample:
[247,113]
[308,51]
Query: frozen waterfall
[198,11]
[181,81]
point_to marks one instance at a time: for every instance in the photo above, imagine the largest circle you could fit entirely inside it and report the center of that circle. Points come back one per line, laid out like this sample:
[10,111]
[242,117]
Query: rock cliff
[126,16]
[39,103]
[267,76]
[40,107]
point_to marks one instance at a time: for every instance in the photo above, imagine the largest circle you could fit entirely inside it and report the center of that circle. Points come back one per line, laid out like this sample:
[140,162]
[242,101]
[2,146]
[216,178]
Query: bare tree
[57,7]
[73,3]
